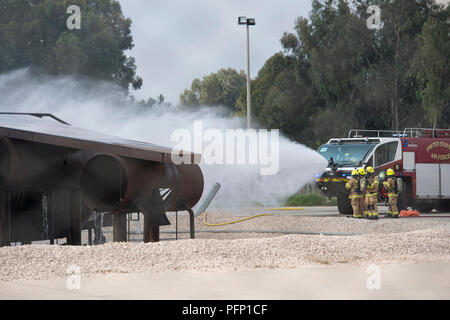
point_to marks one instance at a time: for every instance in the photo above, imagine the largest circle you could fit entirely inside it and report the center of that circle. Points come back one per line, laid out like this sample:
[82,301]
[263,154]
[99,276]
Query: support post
[151,232]
[191,222]
[51,216]
[5,219]
[90,236]
[119,227]
[176,225]
[74,237]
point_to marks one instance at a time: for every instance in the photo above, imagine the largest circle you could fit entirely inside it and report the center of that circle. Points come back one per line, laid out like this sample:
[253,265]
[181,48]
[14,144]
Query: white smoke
[96,105]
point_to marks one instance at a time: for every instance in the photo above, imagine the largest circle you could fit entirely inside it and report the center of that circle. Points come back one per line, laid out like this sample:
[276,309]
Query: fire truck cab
[420,158]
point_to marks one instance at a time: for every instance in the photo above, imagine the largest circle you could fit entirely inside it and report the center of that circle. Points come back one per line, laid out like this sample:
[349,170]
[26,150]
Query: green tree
[395,47]
[317,74]
[335,74]
[216,89]
[343,75]
[431,67]
[33,33]
[338,46]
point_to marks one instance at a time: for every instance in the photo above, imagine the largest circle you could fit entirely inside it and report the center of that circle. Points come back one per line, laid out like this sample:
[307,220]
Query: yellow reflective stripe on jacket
[371,194]
[392,195]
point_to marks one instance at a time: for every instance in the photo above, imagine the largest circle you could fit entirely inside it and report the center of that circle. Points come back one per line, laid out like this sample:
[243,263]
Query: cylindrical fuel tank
[111,182]
[35,166]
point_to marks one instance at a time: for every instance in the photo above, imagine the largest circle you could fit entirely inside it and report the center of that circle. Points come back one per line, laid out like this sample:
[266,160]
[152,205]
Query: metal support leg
[51,217]
[5,219]
[191,222]
[90,236]
[98,232]
[151,233]
[74,237]
[119,227]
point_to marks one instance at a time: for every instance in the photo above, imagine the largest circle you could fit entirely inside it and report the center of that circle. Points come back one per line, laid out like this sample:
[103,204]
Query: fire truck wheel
[424,207]
[344,205]
[443,205]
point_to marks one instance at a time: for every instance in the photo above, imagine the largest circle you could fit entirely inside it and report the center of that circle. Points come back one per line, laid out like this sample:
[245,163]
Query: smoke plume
[100,106]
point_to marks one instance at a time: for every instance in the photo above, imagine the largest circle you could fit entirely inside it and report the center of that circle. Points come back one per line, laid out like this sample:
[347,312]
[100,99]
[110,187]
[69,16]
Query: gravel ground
[299,223]
[382,241]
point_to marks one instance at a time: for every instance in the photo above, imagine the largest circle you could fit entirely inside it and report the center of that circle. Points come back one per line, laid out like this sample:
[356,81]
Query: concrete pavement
[409,281]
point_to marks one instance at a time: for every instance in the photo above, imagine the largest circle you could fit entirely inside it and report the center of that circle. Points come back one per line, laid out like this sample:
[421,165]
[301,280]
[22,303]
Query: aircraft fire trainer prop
[55,179]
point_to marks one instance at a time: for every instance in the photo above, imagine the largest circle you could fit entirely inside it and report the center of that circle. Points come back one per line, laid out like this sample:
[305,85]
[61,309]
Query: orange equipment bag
[409,213]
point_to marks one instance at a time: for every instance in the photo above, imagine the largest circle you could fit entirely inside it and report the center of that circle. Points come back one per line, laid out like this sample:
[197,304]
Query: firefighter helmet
[390,172]
[369,172]
[361,171]
[355,173]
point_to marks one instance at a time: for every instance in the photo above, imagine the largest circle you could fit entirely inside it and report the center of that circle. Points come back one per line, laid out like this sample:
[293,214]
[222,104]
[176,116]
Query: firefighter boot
[374,208]
[370,212]
[389,213]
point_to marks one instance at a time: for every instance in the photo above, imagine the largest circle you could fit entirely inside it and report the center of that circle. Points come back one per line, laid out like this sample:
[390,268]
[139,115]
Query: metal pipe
[191,222]
[104,175]
[209,197]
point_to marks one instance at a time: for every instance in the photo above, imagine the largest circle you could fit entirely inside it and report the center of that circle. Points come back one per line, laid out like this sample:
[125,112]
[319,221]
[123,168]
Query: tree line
[35,34]
[334,73]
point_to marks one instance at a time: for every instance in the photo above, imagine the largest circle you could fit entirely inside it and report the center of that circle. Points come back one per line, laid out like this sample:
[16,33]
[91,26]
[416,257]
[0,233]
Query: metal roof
[367,140]
[38,128]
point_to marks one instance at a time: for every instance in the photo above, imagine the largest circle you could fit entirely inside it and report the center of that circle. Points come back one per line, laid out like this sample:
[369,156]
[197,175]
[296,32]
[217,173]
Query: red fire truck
[420,158]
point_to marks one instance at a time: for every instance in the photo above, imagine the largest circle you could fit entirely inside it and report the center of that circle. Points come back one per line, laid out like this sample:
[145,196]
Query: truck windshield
[346,155]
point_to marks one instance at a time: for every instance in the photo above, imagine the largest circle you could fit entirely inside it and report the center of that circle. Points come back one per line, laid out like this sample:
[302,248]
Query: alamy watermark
[374,20]
[230,146]
[374,280]
[74,20]
[74,279]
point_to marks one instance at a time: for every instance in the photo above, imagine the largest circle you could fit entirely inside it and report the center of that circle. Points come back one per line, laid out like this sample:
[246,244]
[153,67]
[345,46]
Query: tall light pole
[248,22]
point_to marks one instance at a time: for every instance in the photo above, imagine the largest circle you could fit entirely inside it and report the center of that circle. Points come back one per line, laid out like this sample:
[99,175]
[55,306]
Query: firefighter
[362,187]
[371,197]
[355,194]
[391,187]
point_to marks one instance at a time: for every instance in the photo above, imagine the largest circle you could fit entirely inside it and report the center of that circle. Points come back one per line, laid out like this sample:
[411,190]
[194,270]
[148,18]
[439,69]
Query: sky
[176,41]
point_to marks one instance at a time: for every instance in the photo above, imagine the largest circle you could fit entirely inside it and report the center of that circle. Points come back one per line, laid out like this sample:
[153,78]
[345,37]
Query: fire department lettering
[440,156]
[439,144]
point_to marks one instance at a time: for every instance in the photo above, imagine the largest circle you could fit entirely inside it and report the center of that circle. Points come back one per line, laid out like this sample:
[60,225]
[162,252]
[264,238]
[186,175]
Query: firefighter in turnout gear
[355,194]
[363,188]
[391,187]
[370,183]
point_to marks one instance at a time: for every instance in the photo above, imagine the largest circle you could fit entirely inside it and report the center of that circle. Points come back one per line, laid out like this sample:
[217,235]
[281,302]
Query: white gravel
[382,241]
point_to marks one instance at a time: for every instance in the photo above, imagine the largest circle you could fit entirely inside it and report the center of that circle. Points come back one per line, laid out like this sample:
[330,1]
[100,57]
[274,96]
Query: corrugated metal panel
[427,180]
[31,128]
[445,180]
